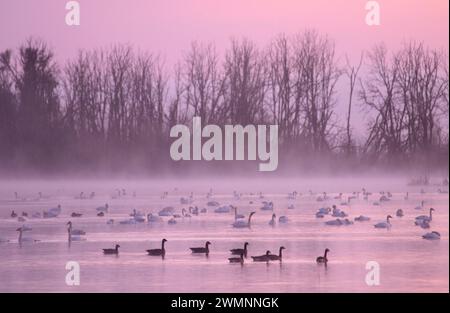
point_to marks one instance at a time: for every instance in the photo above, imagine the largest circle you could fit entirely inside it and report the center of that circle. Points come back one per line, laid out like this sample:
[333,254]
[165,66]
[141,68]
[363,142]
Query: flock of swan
[339,218]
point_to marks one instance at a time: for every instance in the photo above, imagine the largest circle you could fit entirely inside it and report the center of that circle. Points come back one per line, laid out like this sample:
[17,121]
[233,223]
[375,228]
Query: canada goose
[323,259]
[240,259]
[74,214]
[427,218]
[422,223]
[240,251]
[274,257]
[158,252]
[283,219]
[262,258]
[112,251]
[399,213]
[204,249]
[272,222]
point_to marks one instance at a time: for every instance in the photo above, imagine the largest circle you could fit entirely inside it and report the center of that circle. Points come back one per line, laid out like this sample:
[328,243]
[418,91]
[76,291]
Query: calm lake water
[407,262]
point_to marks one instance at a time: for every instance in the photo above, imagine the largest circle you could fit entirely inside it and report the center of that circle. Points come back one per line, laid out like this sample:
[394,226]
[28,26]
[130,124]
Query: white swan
[267,206]
[167,211]
[130,221]
[36,215]
[74,232]
[420,207]
[103,209]
[153,218]
[223,209]
[21,238]
[386,224]
[186,200]
[53,212]
[243,224]
[347,222]
[236,215]
[346,202]
[362,218]
[320,215]
[292,195]
[324,210]
[434,235]
[338,213]
[336,222]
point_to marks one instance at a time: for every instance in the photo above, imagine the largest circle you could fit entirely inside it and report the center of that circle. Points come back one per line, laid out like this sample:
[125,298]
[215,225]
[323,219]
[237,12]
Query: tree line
[112,109]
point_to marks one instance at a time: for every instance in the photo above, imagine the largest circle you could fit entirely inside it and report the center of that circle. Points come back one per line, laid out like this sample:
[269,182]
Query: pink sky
[168,26]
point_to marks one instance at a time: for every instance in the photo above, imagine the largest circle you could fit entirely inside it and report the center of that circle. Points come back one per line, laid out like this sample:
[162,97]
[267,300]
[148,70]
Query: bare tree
[351,72]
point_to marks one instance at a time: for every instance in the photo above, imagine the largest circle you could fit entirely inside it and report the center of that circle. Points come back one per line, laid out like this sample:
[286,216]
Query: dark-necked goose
[274,257]
[240,251]
[323,259]
[262,258]
[158,252]
[240,259]
[112,251]
[423,218]
[204,249]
